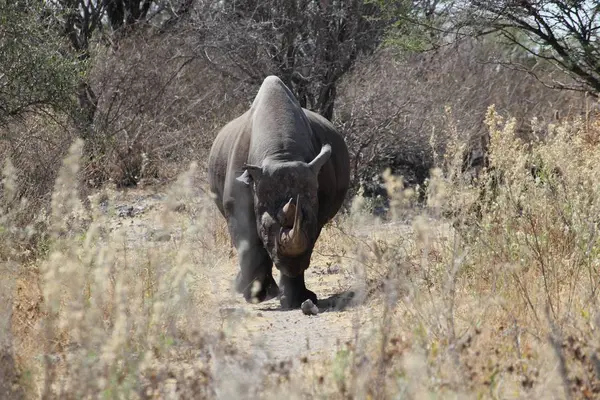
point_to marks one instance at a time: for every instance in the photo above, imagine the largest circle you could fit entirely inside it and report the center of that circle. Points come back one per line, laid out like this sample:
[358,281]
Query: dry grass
[497,301]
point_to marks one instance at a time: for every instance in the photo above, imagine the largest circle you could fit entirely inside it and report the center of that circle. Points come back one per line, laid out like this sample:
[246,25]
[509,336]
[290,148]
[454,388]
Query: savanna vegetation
[470,237]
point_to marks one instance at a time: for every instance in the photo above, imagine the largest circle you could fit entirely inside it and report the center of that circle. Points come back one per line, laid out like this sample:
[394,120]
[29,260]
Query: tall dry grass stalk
[113,306]
[493,292]
[11,238]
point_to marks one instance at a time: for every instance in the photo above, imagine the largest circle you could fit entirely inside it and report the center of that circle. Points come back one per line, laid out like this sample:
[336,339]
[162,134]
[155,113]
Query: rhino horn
[289,213]
[293,241]
[316,164]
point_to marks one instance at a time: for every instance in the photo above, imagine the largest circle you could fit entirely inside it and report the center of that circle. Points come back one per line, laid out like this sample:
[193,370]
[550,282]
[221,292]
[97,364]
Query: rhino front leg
[255,278]
[294,292]
[255,263]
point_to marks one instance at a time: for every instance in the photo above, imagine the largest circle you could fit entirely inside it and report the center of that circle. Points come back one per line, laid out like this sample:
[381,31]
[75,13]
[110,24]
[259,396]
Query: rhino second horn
[293,241]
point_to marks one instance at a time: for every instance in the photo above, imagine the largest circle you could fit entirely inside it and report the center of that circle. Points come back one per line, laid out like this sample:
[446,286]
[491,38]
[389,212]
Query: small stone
[179,207]
[124,211]
[309,308]
[333,269]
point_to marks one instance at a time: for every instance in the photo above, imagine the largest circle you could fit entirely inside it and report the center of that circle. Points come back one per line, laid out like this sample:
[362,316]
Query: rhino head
[286,206]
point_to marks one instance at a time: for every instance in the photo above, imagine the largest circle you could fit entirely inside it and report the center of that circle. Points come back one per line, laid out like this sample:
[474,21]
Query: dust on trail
[262,331]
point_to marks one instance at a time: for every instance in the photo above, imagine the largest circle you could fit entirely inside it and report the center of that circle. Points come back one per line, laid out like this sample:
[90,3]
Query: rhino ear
[316,164]
[251,174]
[245,178]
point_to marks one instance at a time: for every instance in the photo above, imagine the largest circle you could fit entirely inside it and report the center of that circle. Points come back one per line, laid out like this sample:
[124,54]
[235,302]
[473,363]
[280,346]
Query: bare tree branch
[309,44]
[563,32]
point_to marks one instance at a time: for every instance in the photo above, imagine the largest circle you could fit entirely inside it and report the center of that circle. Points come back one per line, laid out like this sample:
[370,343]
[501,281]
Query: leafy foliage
[36,71]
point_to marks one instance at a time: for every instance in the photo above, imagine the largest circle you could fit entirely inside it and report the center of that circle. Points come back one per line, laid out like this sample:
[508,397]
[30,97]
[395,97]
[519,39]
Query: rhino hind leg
[294,292]
[255,278]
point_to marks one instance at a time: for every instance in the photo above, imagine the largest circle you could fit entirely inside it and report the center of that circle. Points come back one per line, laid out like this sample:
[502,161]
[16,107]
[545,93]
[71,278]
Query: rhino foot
[294,292]
[295,299]
[257,292]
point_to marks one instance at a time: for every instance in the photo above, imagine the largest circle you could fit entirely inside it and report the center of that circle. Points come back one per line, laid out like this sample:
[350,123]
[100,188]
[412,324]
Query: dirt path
[263,331]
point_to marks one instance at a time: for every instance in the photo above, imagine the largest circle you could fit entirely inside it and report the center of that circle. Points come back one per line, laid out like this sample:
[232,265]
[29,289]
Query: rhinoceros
[278,173]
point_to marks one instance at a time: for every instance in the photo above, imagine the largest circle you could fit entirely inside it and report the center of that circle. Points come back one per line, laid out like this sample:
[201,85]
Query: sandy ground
[262,330]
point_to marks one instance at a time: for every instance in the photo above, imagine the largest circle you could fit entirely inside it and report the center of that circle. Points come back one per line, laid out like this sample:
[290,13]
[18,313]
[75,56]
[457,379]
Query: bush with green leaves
[37,72]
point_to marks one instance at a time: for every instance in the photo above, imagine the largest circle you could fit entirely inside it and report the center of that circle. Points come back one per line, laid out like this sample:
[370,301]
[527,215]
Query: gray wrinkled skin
[274,152]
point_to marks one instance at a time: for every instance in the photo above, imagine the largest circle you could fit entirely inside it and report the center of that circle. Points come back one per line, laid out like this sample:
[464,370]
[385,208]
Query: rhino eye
[266,219]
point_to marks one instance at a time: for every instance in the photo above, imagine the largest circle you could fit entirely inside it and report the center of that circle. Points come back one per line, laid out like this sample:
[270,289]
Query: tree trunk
[88,105]
[327,101]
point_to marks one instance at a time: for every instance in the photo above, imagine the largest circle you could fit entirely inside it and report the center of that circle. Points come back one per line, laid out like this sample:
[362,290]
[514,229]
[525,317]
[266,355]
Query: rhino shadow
[336,302]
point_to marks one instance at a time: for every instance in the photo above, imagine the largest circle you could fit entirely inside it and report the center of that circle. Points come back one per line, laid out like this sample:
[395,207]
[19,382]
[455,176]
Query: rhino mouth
[292,241]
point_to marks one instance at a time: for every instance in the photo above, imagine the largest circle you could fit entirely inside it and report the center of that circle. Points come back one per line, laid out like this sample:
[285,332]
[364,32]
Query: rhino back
[334,177]
[227,155]
[280,129]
